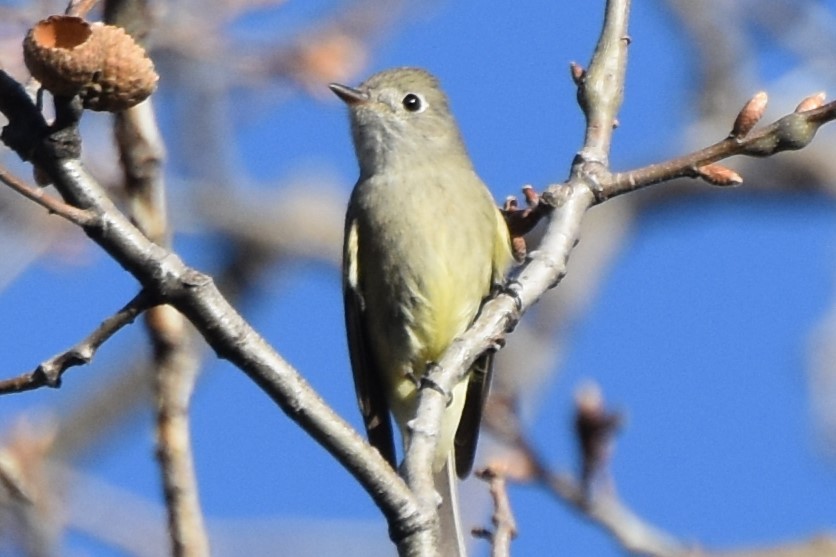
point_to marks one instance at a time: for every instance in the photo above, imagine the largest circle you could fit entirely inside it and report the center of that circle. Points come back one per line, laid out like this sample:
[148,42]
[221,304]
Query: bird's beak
[349,95]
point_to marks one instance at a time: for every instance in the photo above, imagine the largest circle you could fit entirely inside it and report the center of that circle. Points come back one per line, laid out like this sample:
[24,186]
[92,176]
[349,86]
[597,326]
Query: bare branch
[600,506]
[49,373]
[52,204]
[175,361]
[80,8]
[196,296]
[545,267]
[25,494]
[176,372]
[819,546]
[601,87]
[793,131]
[604,508]
[505,526]
[142,154]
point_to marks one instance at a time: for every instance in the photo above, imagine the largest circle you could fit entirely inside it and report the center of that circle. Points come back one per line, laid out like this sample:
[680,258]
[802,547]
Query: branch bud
[749,115]
[511,204]
[595,427]
[809,103]
[719,175]
[578,73]
[531,195]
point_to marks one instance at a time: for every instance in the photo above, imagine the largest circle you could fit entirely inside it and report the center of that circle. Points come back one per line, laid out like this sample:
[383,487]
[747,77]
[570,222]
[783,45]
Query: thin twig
[176,370]
[601,87]
[601,95]
[505,526]
[175,361]
[599,506]
[80,8]
[793,131]
[142,154]
[604,508]
[546,267]
[195,295]
[817,546]
[29,501]
[49,373]
[54,205]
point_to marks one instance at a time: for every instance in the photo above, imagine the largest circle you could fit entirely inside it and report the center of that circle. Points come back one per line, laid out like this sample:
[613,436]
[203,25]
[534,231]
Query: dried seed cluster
[99,62]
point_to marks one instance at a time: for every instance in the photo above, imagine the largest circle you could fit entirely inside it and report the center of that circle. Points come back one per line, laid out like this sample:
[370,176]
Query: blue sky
[699,331]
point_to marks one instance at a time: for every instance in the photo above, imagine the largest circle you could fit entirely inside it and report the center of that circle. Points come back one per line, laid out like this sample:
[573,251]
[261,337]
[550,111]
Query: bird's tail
[452,540]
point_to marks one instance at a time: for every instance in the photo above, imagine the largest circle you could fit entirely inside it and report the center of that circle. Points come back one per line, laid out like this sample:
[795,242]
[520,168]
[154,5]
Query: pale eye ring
[412,102]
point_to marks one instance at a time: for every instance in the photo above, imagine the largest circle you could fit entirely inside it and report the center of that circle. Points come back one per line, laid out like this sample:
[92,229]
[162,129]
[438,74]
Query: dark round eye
[412,102]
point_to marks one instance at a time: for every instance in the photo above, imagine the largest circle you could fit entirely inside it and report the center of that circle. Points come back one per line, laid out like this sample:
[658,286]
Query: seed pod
[59,52]
[126,75]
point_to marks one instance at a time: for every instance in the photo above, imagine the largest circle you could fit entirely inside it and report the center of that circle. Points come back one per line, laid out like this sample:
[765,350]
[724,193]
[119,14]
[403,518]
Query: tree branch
[601,506]
[51,204]
[176,363]
[49,372]
[195,295]
[142,154]
[601,88]
[543,269]
[79,8]
[55,149]
[793,131]
[505,526]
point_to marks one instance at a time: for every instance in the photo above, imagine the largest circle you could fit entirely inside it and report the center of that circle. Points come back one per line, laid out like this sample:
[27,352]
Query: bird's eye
[412,102]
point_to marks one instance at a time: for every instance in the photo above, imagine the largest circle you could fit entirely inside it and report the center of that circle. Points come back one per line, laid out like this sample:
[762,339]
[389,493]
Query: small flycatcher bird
[424,245]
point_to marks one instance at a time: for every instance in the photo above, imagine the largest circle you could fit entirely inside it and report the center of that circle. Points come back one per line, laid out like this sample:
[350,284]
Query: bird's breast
[425,258]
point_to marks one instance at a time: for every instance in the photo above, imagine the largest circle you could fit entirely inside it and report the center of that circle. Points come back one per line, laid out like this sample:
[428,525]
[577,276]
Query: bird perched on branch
[424,246]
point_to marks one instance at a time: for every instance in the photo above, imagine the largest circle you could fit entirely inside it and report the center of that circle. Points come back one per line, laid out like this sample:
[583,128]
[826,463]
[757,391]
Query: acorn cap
[126,75]
[59,53]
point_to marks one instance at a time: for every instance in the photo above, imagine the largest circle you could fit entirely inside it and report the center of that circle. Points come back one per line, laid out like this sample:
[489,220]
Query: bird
[424,246]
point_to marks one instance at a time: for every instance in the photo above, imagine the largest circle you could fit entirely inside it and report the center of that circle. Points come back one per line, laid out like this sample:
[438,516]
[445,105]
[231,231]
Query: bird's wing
[367,377]
[467,434]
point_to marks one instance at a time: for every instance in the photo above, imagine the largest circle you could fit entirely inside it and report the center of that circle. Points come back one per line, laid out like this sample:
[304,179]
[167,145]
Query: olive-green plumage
[424,244]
